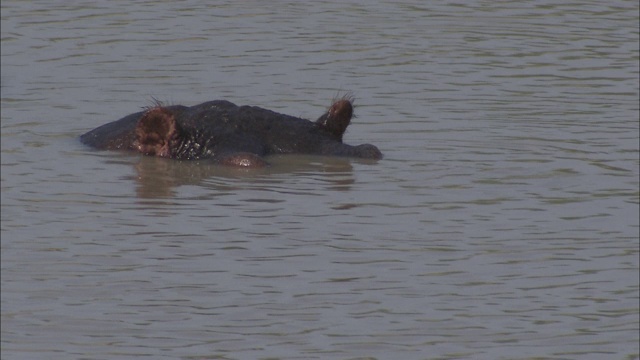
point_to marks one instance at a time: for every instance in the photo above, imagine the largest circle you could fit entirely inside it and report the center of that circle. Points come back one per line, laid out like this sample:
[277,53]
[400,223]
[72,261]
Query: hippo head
[229,134]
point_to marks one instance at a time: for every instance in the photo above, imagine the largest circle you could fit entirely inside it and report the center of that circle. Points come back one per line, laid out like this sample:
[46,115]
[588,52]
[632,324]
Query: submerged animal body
[229,134]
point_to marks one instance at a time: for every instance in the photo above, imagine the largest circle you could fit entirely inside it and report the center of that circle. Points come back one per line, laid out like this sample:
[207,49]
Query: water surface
[501,224]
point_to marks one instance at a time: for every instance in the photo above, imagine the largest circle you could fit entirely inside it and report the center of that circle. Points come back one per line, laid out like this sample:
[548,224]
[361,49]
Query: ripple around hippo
[229,134]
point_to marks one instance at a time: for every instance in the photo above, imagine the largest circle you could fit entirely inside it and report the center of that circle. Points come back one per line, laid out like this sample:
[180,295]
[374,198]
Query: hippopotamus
[229,134]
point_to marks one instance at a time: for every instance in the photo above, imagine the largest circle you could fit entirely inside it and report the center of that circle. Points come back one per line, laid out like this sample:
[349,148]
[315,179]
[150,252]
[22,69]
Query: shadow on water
[160,178]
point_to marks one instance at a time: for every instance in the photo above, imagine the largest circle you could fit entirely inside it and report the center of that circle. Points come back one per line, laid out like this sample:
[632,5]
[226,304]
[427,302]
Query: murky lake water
[501,224]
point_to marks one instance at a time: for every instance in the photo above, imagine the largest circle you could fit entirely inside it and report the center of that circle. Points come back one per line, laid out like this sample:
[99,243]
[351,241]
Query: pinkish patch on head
[155,131]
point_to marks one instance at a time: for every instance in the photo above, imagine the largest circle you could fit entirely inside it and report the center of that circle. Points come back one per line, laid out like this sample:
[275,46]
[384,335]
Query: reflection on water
[502,222]
[158,178]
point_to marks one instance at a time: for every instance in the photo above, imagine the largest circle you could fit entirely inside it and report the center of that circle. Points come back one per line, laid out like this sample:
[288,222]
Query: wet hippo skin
[229,134]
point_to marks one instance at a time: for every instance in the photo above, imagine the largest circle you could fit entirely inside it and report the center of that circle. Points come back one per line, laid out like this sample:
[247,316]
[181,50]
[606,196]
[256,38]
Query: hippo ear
[337,118]
[156,132]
